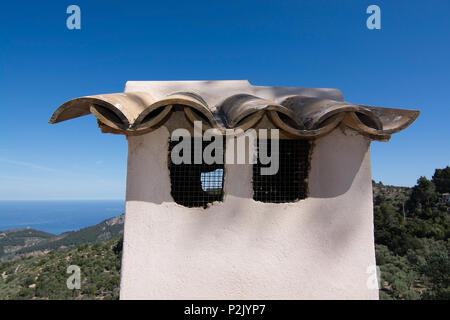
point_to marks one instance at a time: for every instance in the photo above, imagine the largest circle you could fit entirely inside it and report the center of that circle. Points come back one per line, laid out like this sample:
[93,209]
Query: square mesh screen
[195,185]
[289,184]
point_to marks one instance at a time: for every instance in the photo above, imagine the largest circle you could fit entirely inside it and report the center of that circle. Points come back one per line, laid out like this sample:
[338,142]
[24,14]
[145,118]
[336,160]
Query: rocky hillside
[20,243]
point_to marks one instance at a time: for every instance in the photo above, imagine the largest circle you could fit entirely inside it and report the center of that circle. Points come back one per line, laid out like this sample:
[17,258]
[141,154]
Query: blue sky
[284,43]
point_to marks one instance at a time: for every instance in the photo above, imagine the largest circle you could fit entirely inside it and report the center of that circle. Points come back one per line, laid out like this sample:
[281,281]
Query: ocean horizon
[57,216]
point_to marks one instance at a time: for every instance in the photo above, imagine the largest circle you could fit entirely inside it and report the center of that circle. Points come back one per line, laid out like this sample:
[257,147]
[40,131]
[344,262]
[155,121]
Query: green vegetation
[412,228]
[45,277]
[13,240]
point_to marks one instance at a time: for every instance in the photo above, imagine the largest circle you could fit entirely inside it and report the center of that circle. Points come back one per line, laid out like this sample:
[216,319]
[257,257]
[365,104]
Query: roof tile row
[300,112]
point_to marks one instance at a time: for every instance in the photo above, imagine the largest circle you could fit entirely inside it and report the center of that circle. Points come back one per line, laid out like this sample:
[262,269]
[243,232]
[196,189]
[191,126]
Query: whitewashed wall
[318,248]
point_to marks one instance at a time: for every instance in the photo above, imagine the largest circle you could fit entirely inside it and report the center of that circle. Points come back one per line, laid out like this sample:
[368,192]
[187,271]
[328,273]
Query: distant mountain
[18,243]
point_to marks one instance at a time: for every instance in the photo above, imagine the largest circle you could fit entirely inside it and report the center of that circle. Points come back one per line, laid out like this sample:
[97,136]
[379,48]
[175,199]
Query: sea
[57,216]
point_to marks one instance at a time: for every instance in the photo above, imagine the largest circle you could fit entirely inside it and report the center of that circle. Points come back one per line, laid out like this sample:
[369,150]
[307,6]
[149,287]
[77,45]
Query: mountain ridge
[22,242]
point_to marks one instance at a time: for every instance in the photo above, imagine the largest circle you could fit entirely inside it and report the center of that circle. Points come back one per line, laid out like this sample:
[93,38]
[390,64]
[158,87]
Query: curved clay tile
[244,111]
[394,120]
[117,110]
[195,108]
[327,126]
[313,112]
[324,115]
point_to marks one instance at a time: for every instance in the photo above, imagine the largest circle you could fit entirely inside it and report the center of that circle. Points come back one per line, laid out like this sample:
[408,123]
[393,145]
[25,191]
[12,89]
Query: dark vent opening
[108,114]
[153,114]
[367,120]
[200,115]
[196,185]
[288,120]
[290,183]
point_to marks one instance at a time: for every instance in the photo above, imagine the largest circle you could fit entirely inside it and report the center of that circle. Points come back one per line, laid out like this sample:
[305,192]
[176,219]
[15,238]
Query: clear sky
[283,43]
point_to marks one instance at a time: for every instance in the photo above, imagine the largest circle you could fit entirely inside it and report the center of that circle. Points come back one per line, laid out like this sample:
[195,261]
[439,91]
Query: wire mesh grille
[196,185]
[289,184]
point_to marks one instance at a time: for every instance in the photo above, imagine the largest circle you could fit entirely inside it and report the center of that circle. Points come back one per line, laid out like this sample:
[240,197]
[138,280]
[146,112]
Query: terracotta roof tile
[301,112]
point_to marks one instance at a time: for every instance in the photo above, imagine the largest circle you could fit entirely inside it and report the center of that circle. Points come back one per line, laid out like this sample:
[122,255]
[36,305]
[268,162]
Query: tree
[423,194]
[441,180]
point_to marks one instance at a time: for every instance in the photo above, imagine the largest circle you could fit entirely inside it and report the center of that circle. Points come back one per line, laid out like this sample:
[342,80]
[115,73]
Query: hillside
[19,243]
[13,240]
[398,195]
[412,232]
[45,277]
